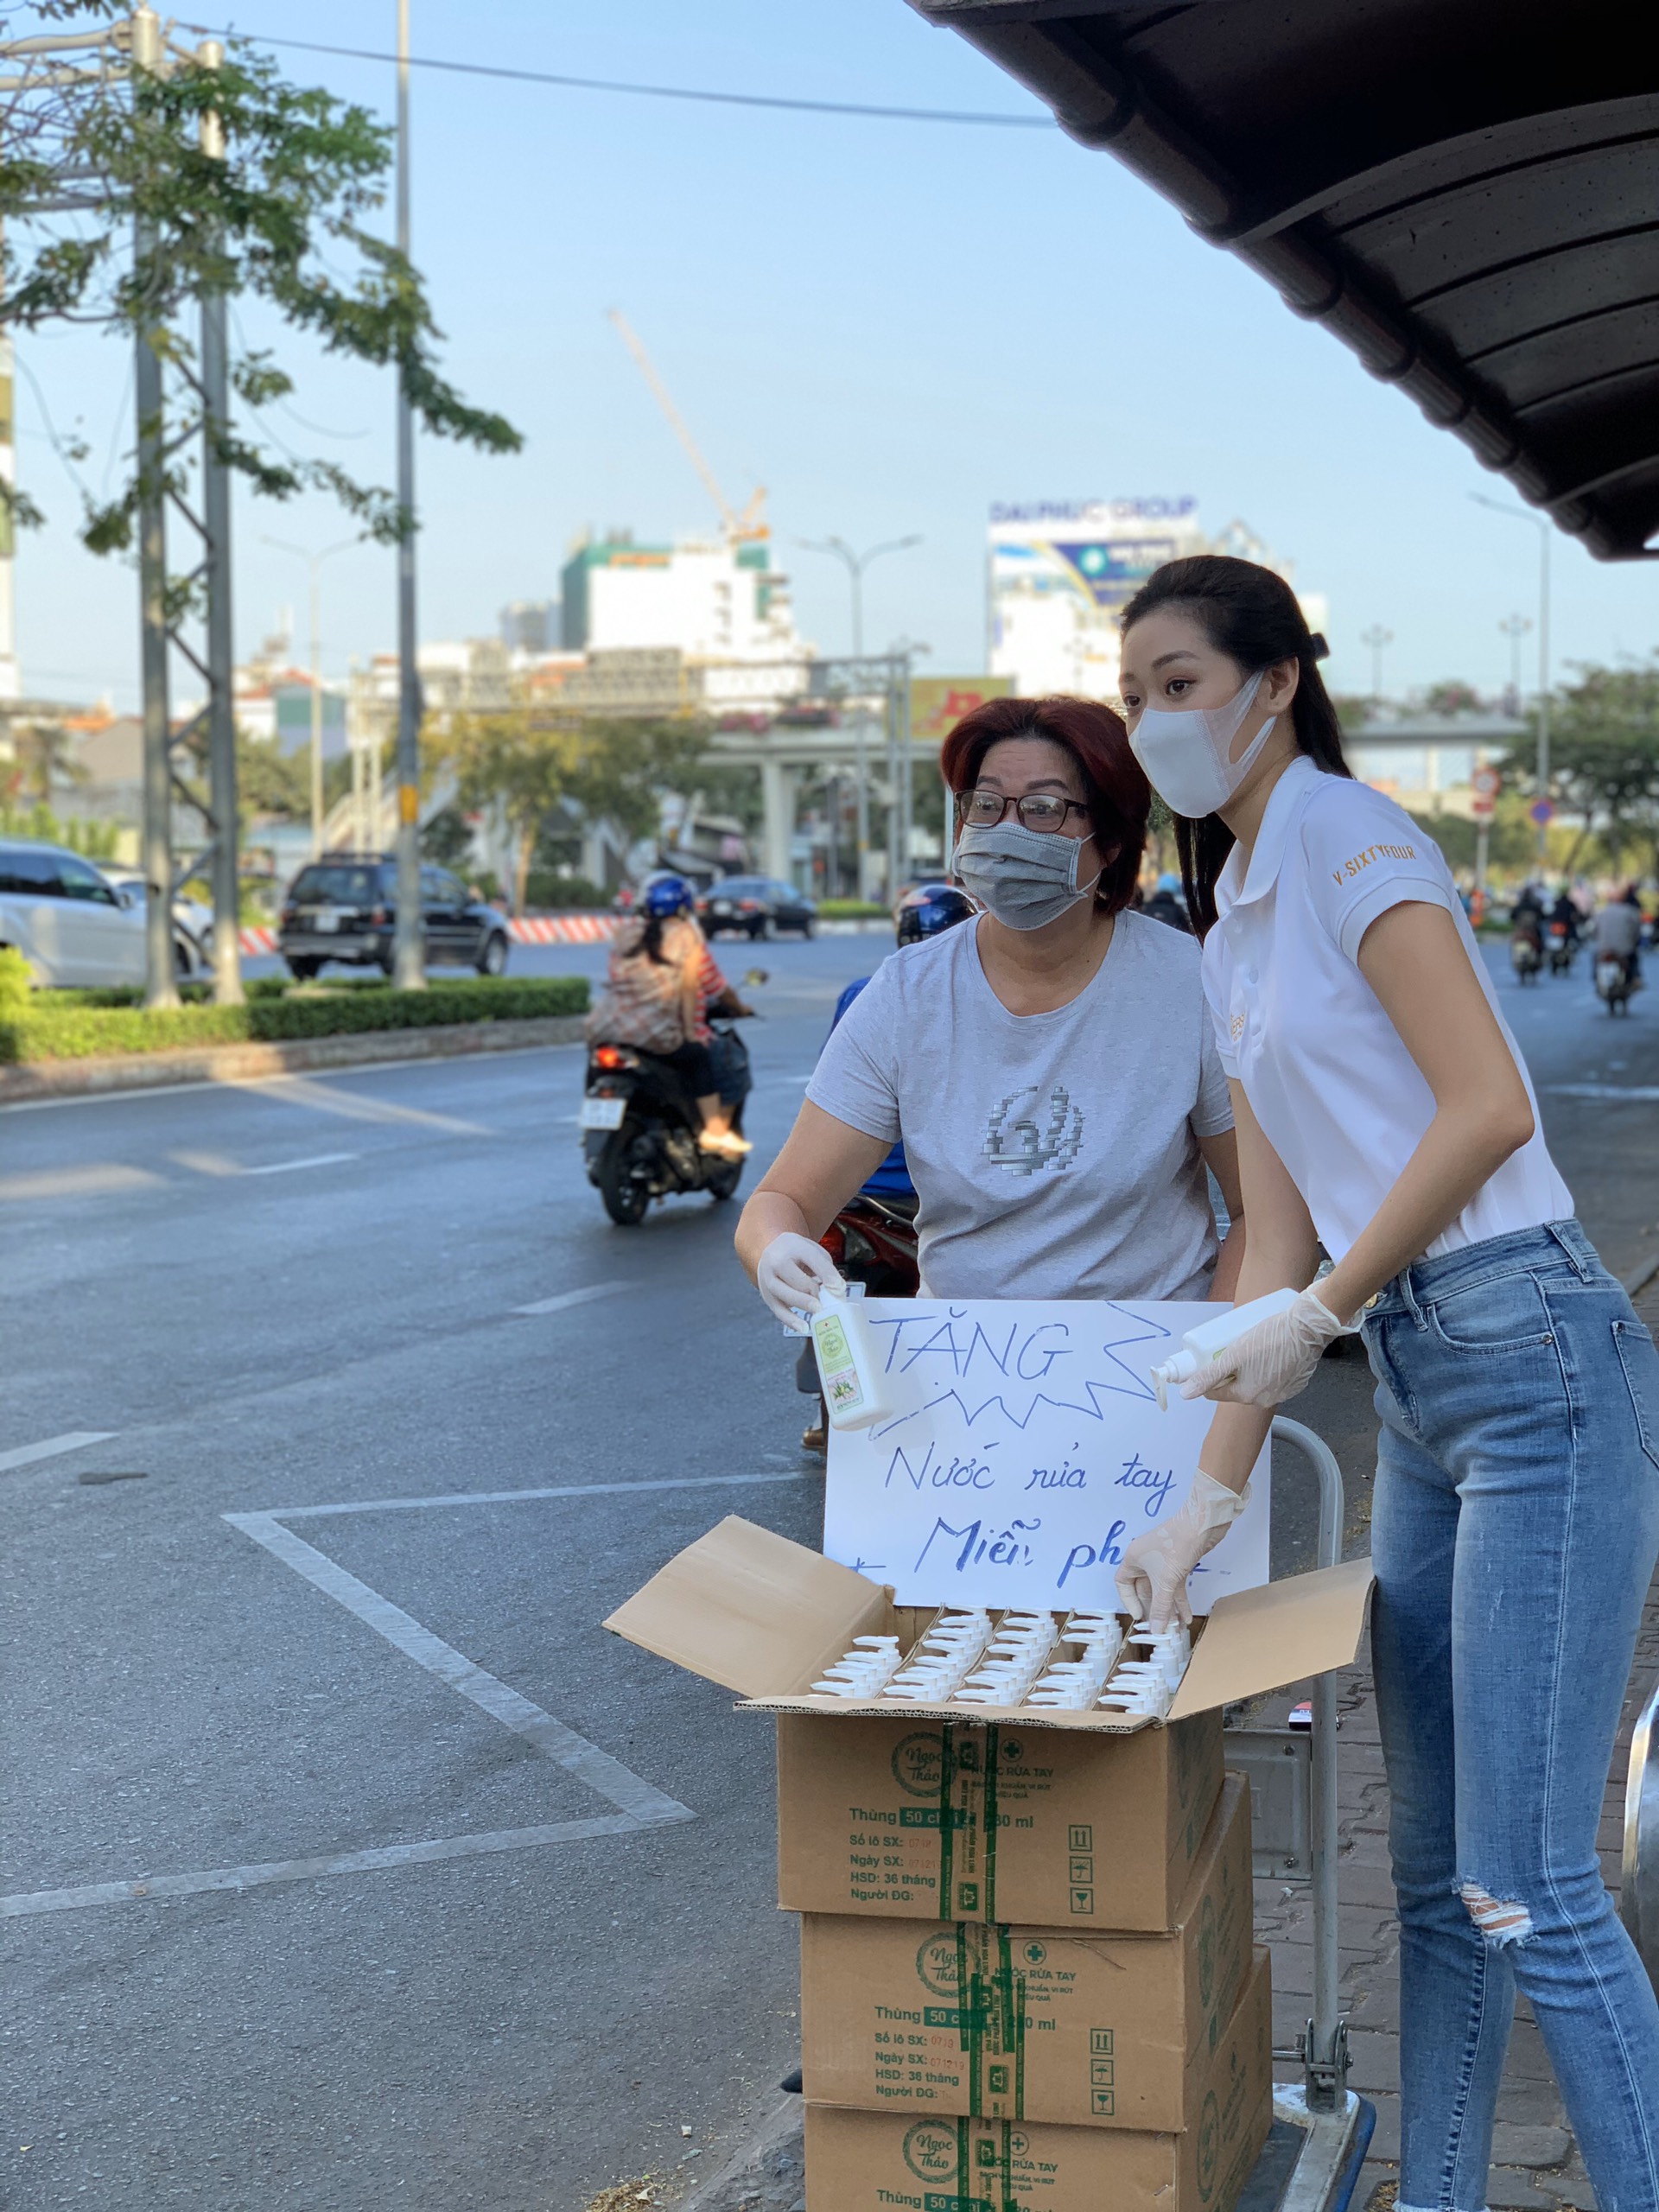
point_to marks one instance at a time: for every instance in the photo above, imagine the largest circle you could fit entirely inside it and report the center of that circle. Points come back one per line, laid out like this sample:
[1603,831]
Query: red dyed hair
[1116,790]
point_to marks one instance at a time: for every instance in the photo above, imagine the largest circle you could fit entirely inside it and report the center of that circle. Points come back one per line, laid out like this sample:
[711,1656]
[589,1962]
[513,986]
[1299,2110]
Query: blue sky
[888,325]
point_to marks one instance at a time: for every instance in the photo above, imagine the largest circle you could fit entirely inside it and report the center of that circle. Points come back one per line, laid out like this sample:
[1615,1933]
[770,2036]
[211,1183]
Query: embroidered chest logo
[1351,866]
[1039,1137]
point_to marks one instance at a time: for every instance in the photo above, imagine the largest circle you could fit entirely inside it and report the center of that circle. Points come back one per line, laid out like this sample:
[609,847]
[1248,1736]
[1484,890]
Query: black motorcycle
[639,1123]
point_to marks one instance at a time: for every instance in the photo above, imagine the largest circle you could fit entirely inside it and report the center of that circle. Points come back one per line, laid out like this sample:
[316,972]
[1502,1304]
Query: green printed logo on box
[918,1765]
[1207,1950]
[1100,2040]
[1103,2072]
[967,1896]
[1208,2145]
[997,2077]
[1102,2103]
[1080,1836]
[936,1965]
[930,2152]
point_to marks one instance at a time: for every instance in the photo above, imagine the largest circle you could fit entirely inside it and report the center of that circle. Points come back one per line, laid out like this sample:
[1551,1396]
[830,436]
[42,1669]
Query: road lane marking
[75,1439]
[292,1167]
[645,1805]
[569,1298]
[304,1090]
[1639,1093]
[511,1496]
[91,1182]
[25,1902]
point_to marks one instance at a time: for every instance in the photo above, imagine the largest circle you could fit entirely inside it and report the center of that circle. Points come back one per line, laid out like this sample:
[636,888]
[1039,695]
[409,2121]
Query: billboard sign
[937,703]
[1061,571]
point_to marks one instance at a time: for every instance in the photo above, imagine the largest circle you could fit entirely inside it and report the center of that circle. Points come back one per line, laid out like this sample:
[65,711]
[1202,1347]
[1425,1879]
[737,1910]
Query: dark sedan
[755,905]
[345,910]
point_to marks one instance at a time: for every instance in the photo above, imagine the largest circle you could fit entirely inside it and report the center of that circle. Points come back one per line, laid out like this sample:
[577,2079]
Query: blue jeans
[1514,1531]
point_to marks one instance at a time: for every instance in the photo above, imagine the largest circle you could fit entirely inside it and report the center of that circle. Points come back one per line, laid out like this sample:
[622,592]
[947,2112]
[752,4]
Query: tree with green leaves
[281,216]
[1603,755]
[519,763]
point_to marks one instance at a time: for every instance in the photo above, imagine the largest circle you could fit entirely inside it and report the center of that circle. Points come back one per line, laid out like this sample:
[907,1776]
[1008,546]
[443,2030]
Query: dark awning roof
[1466,192]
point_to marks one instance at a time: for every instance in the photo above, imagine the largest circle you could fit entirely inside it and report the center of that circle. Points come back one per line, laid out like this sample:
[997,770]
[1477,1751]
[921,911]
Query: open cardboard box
[765,1616]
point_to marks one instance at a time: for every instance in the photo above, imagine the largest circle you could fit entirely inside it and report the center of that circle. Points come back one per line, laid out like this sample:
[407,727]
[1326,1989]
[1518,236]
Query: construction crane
[747,528]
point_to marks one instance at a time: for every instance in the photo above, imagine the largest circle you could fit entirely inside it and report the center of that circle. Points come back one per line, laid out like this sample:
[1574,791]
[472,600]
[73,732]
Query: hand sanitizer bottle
[1210,1337]
[848,1366]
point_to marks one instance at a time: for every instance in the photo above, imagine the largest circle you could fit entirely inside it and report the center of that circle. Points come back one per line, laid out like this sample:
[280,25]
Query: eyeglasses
[1042,811]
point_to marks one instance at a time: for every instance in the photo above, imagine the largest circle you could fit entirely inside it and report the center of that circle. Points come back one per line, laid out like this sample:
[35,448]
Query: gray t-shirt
[1055,1154]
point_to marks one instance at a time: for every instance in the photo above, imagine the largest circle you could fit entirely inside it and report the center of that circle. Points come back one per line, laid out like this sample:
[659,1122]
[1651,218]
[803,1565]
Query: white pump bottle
[1209,1338]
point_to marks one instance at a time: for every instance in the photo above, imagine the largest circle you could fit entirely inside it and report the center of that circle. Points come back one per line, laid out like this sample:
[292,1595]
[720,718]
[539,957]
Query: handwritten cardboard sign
[1023,1453]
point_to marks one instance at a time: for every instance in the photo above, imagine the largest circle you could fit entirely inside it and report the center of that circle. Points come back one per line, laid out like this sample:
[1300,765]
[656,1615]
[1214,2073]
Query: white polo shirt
[1338,1095]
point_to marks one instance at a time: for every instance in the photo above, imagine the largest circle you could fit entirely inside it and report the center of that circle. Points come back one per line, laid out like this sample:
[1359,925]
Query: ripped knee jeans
[1514,1530]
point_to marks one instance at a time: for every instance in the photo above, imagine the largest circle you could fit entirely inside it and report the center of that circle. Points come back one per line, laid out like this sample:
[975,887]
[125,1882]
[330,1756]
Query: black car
[759,905]
[346,909]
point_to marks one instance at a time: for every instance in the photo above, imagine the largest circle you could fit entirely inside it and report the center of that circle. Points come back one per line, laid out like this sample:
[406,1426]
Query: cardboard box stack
[1027,1978]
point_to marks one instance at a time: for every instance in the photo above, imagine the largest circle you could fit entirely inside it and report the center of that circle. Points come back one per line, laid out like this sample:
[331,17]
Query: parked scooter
[639,1123]
[1613,984]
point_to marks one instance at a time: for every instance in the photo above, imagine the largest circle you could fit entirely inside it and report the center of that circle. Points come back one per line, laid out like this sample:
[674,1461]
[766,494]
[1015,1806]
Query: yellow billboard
[937,703]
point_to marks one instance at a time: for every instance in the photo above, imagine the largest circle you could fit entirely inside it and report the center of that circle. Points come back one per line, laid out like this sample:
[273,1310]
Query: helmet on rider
[669,894]
[932,908]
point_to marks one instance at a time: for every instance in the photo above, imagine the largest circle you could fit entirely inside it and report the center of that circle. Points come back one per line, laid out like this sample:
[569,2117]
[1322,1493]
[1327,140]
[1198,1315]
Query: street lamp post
[1376,638]
[1540,524]
[856,564]
[1514,627]
[314,561]
[408,954]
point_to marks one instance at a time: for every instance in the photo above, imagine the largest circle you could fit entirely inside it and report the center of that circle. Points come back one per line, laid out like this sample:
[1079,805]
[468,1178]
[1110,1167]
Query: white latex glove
[1271,1361]
[1152,1581]
[792,1271]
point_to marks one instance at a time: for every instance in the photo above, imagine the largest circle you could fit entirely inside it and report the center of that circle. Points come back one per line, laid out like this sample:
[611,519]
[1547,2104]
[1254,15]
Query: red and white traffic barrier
[563,929]
[538,929]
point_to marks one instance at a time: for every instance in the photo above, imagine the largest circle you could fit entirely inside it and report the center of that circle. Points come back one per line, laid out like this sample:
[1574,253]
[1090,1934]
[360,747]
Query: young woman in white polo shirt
[1383,1112]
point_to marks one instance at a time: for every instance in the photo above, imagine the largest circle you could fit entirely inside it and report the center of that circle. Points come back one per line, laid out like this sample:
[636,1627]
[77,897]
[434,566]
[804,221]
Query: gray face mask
[1026,877]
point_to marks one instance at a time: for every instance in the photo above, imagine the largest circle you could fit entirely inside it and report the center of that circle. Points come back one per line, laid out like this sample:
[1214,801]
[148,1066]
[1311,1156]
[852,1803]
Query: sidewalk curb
[755,2175]
[96,1076]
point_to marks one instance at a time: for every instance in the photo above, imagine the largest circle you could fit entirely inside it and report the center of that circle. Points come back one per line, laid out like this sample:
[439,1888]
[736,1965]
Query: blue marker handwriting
[979,1546]
[1067,1476]
[1084,1555]
[938,1470]
[1157,1481]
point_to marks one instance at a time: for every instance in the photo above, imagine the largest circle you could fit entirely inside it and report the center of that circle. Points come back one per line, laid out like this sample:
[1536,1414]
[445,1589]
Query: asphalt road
[416,1934]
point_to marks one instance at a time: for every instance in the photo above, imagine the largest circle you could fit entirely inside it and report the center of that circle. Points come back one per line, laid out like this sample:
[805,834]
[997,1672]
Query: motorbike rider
[1565,916]
[1050,1068]
[662,983]
[1619,934]
[1167,904]
[925,910]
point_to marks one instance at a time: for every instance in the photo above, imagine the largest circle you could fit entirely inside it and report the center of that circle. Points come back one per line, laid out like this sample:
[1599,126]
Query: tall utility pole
[408,970]
[160,988]
[1375,639]
[856,564]
[1541,525]
[221,644]
[1514,627]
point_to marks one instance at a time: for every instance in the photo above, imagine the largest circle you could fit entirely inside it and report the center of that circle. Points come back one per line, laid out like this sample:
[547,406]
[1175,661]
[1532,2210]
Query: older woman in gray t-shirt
[1050,1066]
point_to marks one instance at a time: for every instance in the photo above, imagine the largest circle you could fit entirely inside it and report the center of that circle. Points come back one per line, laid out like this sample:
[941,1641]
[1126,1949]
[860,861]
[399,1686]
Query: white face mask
[1185,752]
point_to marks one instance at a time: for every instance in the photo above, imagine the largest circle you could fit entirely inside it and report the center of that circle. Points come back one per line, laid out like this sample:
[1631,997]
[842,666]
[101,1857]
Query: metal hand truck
[1321,2130]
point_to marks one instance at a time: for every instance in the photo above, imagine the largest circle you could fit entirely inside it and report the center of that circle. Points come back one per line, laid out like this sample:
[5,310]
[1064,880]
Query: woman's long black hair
[1252,615]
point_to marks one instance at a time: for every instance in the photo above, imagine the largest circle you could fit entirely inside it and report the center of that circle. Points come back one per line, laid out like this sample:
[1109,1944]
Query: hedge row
[64,1026]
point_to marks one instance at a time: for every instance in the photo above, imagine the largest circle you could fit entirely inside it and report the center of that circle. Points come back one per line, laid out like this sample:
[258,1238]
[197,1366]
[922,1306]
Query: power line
[649,92]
